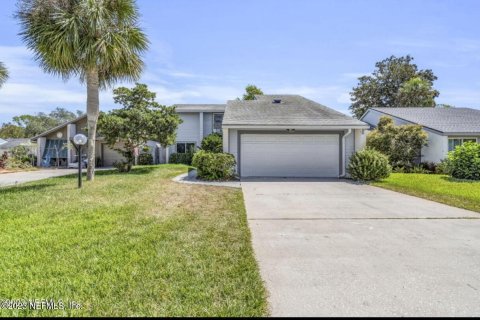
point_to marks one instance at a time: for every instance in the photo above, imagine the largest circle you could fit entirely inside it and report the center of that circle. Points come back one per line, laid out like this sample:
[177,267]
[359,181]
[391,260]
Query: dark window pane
[180,147]
[190,147]
[217,121]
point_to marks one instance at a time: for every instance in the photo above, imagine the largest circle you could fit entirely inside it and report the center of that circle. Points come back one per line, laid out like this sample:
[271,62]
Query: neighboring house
[446,127]
[290,136]
[8,144]
[53,146]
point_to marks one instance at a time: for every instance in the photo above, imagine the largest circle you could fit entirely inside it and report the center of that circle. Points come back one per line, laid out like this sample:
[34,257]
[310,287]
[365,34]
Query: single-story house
[53,148]
[446,127]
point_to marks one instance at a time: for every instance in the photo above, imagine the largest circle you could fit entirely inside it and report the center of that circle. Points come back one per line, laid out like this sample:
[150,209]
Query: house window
[217,122]
[454,142]
[184,147]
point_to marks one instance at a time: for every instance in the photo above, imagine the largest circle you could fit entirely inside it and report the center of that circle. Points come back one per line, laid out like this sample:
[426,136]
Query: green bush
[213,143]
[181,158]
[464,161]
[369,165]
[402,144]
[214,166]
[145,159]
[443,167]
[14,163]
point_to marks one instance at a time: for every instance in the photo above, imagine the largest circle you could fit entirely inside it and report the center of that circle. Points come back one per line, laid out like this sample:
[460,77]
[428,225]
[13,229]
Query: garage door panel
[296,155]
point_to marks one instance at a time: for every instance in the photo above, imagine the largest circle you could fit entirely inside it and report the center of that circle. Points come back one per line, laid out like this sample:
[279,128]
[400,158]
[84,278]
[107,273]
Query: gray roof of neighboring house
[445,120]
[2,141]
[58,127]
[199,108]
[293,110]
[12,143]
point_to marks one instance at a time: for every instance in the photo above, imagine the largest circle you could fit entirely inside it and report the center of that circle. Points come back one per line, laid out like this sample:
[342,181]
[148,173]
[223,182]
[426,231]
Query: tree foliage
[250,92]
[141,119]
[3,74]
[395,81]
[27,125]
[402,144]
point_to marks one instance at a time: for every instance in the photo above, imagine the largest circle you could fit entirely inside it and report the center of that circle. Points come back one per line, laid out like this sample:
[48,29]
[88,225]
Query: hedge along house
[54,147]
[290,136]
[446,127]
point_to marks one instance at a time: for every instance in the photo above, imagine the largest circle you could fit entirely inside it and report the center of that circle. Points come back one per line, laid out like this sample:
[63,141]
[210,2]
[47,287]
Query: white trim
[285,127]
[344,171]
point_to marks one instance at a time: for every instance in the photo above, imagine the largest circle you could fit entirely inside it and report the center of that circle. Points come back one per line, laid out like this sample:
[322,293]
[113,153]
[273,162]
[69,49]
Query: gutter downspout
[349,131]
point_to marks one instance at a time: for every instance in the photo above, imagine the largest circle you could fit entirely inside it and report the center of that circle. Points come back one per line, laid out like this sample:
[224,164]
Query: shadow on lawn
[451,179]
[137,170]
[23,188]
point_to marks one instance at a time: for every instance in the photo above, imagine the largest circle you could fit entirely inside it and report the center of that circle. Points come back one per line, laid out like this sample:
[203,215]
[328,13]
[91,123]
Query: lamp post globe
[80,139]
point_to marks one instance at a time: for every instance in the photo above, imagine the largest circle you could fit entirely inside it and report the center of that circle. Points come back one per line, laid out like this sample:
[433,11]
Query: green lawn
[129,245]
[458,193]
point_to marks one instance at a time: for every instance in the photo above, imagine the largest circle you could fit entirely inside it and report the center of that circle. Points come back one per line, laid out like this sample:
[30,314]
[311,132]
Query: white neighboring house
[290,136]
[446,127]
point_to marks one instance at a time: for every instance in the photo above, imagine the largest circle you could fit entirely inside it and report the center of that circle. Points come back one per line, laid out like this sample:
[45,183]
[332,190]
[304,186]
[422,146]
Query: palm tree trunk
[93,107]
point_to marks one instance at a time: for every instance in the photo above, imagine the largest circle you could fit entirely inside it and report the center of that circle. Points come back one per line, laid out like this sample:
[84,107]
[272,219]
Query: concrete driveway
[8,179]
[336,248]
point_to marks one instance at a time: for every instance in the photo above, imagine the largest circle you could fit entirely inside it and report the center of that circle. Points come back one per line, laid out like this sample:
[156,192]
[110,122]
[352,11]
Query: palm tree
[97,40]
[3,74]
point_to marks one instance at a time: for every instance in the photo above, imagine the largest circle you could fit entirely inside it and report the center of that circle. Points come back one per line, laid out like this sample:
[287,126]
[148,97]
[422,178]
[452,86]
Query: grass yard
[458,193]
[132,244]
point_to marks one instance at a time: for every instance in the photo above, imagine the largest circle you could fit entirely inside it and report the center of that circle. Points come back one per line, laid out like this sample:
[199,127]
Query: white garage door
[289,155]
[110,156]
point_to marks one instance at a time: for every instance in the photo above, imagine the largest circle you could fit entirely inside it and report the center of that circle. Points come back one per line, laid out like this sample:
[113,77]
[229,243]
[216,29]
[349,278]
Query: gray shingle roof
[446,120]
[200,107]
[12,143]
[293,110]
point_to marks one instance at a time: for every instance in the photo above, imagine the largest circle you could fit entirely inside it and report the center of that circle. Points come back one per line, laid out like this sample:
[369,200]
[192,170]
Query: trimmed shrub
[214,166]
[145,159]
[213,143]
[181,158]
[369,165]
[464,161]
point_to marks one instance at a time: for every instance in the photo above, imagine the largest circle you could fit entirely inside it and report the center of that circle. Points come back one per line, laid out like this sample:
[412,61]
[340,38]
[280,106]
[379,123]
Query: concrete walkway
[8,179]
[336,248]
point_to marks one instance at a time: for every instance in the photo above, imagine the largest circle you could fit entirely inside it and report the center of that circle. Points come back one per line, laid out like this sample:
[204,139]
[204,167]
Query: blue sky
[207,51]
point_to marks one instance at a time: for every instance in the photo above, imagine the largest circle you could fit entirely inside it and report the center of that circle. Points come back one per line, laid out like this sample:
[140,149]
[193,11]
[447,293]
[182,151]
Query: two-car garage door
[289,155]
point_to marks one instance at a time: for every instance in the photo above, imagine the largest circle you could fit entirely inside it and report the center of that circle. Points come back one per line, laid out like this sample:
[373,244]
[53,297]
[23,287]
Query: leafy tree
[41,122]
[416,92]
[250,92]
[402,144]
[3,74]
[98,41]
[10,130]
[387,85]
[141,119]
[444,105]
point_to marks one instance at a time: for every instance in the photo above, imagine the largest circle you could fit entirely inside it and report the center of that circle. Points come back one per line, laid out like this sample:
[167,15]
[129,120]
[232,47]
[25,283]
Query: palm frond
[3,74]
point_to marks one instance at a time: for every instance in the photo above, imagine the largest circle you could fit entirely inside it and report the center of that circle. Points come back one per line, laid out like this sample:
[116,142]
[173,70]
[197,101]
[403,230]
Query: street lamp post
[78,141]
